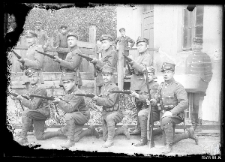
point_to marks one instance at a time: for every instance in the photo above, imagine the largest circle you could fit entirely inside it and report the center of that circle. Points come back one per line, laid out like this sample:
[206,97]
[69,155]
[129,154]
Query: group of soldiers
[168,100]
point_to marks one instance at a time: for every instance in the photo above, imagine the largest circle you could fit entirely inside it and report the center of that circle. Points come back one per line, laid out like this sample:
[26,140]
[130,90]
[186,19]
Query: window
[192,26]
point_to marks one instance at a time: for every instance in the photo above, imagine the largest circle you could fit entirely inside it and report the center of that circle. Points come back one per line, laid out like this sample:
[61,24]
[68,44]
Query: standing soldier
[33,60]
[143,97]
[38,109]
[72,61]
[42,37]
[123,39]
[137,79]
[173,100]
[199,64]
[61,42]
[109,57]
[111,114]
[76,112]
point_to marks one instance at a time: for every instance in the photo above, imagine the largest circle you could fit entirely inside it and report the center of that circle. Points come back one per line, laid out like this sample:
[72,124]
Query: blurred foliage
[78,19]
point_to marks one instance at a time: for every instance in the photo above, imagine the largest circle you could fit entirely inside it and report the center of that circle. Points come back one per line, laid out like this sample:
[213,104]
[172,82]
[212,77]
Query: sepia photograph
[133,80]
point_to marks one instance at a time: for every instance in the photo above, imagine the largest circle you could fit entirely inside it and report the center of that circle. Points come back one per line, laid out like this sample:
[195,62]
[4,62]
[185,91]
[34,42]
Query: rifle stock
[19,57]
[15,95]
[127,58]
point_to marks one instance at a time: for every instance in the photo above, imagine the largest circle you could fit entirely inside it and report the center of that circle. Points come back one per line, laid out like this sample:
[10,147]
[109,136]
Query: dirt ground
[207,144]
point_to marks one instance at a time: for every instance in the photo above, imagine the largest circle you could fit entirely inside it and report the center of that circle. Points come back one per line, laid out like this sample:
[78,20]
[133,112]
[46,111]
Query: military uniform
[173,98]
[72,62]
[109,57]
[111,114]
[199,64]
[38,111]
[33,60]
[61,42]
[143,113]
[137,78]
[42,37]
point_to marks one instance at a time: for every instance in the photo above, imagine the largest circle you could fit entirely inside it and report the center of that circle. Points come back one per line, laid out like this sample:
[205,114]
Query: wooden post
[120,67]
[92,39]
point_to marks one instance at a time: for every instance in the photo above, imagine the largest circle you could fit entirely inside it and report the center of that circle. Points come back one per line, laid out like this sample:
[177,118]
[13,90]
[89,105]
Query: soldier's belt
[168,107]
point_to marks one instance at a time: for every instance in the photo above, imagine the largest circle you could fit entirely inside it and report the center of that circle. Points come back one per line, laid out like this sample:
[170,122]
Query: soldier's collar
[73,48]
[72,89]
[108,83]
[109,48]
[169,81]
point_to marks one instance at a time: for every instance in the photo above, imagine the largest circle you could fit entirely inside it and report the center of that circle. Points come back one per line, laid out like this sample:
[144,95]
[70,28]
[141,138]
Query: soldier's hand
[94,60]
[19,97]
[167,113]
[21,60]
[134,94]
[56,100]
[153,101]
[57,59]
[95,98]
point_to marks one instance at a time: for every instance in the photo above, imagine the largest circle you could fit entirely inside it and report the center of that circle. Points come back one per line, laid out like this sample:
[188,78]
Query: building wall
[129,18]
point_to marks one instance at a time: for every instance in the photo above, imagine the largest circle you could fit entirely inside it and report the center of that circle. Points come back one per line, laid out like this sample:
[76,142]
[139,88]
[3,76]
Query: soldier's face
[30,41]
[34,79]
[122,33]
[68,85]
[106,44]
[168,74]
[150,77]
[72,41]
[196,46]
[63,31]
[142,47]
[106,77]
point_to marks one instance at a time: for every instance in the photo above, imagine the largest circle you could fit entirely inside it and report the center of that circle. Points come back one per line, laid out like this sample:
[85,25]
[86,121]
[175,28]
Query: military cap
[30,34]
[198,40]
[30,72]
[122,29]
[168,66]
[68,76]
[63,26]
[151,69]
[106,37]
[140,39]
[108,69]
[72,33]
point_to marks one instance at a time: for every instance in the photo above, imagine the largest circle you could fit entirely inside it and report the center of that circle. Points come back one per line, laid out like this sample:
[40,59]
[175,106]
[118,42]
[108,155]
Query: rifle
[89,59]
[15,95]
[127,58]
[131,71]
[125,92]
[45,54]
[23,67]
[85,95]
[150,116]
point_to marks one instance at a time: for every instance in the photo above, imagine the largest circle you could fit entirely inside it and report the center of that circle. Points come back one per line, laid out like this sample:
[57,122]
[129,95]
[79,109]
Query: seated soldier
[38,111]
[76,112]
[143,97]
[174,101]
[111,111]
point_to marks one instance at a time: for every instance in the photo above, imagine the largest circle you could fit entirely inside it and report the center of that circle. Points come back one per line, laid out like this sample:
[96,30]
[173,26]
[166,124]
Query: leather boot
[48,135]
[123,130]
[27,122]
[143,124]
[157,131]
[168,128]
[88,132]
[105,131]
[70,136]
[111,134]
[137,130]
[186,135]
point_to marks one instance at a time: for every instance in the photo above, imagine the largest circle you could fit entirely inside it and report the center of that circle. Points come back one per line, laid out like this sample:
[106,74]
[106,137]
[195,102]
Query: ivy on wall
[78,19]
